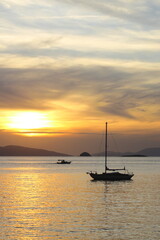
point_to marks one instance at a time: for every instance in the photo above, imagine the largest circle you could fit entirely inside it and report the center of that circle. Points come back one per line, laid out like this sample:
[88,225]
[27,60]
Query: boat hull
[63,162]
[116,176]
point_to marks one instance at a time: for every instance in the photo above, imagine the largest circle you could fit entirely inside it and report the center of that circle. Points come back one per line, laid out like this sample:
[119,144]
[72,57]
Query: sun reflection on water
[39,204]
[48,203]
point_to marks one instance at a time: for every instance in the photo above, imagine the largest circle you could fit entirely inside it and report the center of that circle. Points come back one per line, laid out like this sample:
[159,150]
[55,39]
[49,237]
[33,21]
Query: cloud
[42,14]
[60,29]
[99,55]
[27,89]
[141,12]
[108,90]
[143,47]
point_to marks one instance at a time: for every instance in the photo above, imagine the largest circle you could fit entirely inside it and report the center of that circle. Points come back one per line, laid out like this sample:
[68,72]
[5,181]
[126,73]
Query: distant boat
[62,161]
[114,175]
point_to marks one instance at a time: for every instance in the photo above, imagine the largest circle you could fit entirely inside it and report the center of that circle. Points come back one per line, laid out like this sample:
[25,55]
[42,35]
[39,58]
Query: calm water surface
[42,200]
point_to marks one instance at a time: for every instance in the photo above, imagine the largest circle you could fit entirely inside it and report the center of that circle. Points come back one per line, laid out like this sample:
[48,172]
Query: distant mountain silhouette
[13,150]
[155,151]
[150,151]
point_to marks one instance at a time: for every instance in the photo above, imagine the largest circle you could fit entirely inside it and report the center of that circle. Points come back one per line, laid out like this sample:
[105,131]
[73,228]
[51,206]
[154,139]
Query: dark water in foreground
[42,200]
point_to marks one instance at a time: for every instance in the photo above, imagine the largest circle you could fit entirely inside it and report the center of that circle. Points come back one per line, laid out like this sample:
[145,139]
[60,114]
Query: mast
[106,150]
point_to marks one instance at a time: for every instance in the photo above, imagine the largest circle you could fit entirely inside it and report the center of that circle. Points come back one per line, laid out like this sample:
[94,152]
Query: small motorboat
[62,161]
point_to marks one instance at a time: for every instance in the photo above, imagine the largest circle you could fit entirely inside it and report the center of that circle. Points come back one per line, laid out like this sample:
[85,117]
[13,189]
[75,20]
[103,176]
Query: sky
[67,67]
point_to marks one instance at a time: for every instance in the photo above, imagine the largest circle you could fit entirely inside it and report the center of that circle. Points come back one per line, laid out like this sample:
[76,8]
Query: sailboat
[111,174]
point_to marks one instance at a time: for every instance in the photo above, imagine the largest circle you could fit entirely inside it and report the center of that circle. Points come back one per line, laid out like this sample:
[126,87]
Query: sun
[25,121]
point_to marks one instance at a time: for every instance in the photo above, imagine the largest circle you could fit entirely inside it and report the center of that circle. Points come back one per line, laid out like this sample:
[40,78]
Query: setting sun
[28,121]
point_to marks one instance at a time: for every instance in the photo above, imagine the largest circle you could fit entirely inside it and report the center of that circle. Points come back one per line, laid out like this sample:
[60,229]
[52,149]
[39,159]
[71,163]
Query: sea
[40,199]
